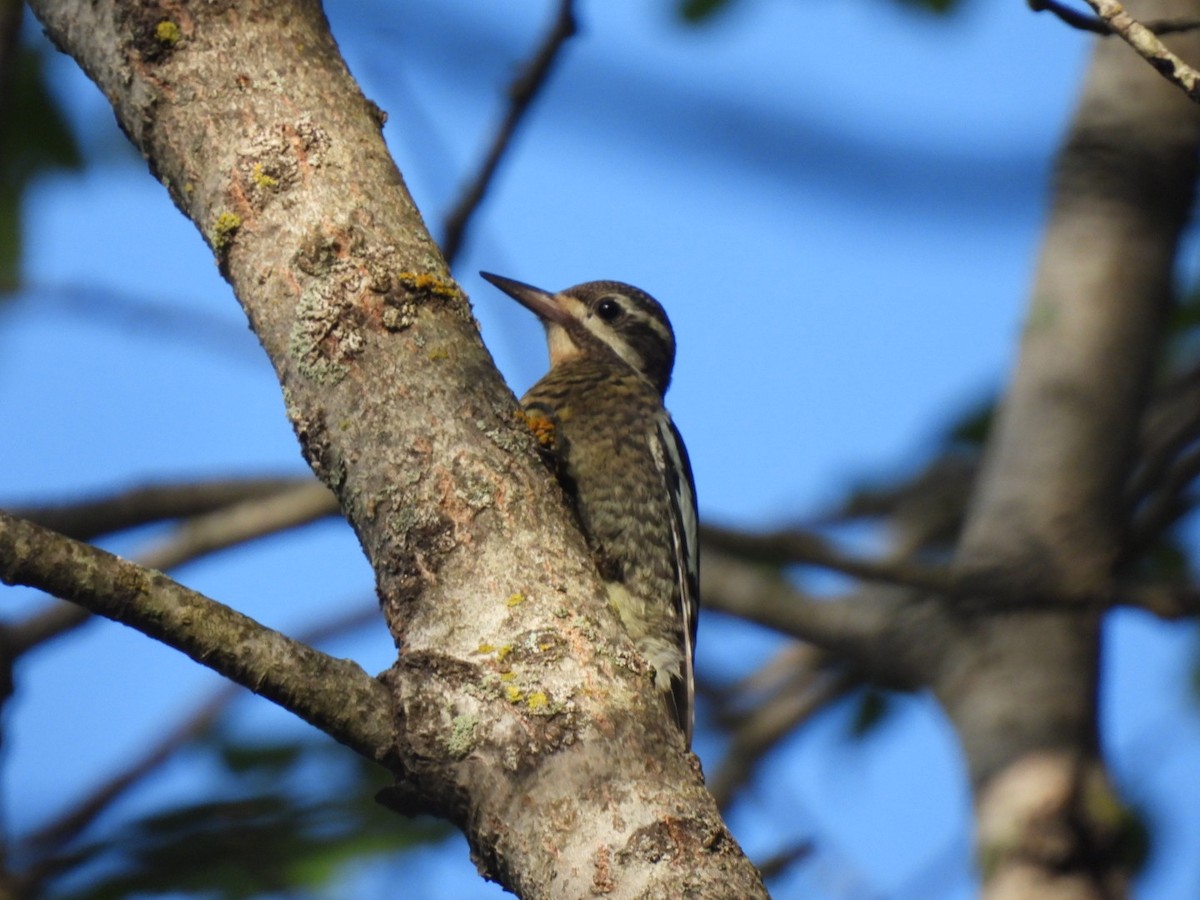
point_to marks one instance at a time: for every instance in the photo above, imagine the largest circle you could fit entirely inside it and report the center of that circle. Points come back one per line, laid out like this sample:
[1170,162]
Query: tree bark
[1045,528]
[522,712]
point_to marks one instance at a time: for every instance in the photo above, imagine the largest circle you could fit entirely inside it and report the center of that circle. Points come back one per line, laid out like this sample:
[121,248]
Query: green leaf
[1134,840]
[272,759]
[974,426]
[10,238]
[872,708]
[695,12]
[1166,562]
[277,829]
[934,6]
[34,138]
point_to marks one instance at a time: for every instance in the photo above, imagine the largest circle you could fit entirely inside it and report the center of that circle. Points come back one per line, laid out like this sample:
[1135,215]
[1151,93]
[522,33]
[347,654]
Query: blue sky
[838,202]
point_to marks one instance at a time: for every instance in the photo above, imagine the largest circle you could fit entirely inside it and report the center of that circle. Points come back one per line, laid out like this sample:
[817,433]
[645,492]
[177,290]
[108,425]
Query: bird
[599,414]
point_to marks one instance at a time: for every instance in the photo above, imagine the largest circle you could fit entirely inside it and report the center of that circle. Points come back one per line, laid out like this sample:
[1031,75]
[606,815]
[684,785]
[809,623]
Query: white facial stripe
[604,331]
[659,327]
[608,334]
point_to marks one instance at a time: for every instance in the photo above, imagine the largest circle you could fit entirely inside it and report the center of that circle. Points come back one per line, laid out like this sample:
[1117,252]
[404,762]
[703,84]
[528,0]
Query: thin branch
[1166,505]
[772,722]
[301,504]
[778,863]
[521,95]
[1148,46]
[923,511]
[1083,22]
[1168,463]
[1165,601]
[733,702]
[802,696]
[150,503]
[1171,423]
[795,546]
[148,317]
[847,626]
[294,503]
[335,695]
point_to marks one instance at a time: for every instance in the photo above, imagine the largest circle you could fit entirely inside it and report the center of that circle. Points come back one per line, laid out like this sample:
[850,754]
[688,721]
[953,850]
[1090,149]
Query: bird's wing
[670,455]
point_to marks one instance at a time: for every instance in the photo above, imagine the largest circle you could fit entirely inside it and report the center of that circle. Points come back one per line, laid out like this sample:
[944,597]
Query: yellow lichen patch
[503,652]
[485,648]
[513,693]
[514,600]
[224,229]
[428,284]
[537,701]
[167,32]
[508,676]
[438,354]
[542,428]
[262,179]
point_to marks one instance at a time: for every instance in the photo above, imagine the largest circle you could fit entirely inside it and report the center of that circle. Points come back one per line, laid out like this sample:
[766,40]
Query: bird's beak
[541,303]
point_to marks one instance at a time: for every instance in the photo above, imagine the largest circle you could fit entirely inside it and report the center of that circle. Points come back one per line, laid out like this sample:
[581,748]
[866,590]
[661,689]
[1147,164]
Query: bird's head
[600,318]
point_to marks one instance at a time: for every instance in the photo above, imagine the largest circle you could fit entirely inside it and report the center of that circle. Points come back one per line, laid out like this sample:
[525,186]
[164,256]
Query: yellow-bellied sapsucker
[622,463]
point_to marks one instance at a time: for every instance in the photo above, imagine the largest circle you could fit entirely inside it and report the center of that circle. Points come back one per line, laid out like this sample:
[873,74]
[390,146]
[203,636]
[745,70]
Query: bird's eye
[609,309]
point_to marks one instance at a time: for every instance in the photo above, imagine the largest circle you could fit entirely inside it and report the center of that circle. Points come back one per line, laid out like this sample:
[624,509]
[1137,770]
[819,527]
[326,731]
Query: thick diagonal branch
[516,684]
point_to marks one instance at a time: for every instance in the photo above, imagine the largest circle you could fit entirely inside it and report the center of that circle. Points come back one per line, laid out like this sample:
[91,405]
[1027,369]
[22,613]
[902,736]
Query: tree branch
[516,681]
[291,504]
[1078,20]
[1046,510]
[1148,46]
[521,96]
[296,505]
[795,546]
[1167,466]
[150,503]
[845,626]
[1168,601]
[800,697]
[334,695]
[1167,505]
[1172,423]
[1046,522]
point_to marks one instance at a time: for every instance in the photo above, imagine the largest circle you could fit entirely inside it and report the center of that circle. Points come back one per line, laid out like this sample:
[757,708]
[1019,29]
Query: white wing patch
[670,456]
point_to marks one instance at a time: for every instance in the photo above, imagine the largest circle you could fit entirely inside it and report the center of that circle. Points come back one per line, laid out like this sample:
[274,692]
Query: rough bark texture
[522,712]
[1044,531]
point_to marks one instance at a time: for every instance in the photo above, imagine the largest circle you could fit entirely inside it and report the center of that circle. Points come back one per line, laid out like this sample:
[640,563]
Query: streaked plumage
[600,411]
